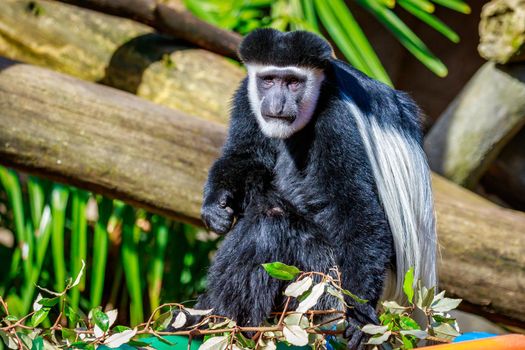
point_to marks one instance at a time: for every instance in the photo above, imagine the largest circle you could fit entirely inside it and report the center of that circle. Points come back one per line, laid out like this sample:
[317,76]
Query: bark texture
[482,119]
[119,53]
[169,18]
[115,143]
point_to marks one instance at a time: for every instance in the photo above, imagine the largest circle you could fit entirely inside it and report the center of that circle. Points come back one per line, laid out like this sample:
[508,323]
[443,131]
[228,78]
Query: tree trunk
[119,53]
[478,124]
[112,142]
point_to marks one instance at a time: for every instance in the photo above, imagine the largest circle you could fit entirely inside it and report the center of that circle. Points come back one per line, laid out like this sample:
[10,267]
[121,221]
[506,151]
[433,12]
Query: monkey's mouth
[285,118]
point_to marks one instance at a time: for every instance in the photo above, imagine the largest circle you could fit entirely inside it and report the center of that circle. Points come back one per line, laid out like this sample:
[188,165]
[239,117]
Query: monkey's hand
[357,317]
[217,212]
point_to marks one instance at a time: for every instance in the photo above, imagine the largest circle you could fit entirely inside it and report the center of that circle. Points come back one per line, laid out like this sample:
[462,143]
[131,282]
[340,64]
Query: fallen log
[125,147]
[480,121]
[119,53]
[172,19]
[506,175]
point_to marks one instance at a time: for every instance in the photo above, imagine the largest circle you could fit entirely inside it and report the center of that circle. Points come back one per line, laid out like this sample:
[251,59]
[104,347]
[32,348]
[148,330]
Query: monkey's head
[285,72]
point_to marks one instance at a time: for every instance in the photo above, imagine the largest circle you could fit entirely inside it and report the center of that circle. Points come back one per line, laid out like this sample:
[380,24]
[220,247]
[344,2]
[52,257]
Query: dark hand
[217,212]
[357,317]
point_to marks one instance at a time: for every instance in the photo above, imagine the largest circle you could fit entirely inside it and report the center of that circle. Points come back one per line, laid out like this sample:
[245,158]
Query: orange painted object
[502,342]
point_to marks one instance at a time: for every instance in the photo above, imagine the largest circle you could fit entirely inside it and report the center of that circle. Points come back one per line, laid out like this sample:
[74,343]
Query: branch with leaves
[302,326]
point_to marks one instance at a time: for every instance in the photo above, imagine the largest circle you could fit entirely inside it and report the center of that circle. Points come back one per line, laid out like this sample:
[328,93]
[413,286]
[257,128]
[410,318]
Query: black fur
[272,47]
[309,200]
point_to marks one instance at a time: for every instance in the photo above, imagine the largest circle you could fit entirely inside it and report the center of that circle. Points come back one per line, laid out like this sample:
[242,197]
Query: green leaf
[11,318]
[163,321]
[245,342]
[68,334]
[379,339]
[428,297]
[418,333]
[446,304]
[442,319]
[374,329]
[26,341]
[49,302]
[394,307]
[100,319]
[39,316]
[455,5]
[281,271]
[119,329]
[353,296]
[38,343]
[408,323]
[430,20]
[406,37]
[408,342]
[408,284]
[79,345]
[445,331]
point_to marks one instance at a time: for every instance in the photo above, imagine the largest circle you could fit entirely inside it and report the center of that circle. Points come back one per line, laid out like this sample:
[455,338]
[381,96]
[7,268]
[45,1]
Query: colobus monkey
[322,166]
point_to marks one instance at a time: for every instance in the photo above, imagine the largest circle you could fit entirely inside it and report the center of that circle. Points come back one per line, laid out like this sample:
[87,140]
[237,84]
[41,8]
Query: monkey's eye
[294,84]
[267,81]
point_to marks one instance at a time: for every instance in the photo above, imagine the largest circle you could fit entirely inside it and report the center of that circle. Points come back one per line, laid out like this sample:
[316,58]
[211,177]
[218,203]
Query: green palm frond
[336,19]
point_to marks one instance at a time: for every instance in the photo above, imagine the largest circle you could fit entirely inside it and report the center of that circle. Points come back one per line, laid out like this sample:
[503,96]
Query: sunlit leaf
[374,329]
[354,297]
[380,339]
[117,339]
[281,271]
[408,284]
[180,320]
[100,319]
[296,319]
[196,312]
[394,307]
[297,288]
[312,299]
[39,316]
[445,331]
[112,316]
[215,343]
[418,333]
[446,304]
[295,335]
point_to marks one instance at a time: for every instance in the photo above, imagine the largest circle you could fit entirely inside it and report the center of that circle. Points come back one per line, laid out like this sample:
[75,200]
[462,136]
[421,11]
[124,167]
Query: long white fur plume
[403,181]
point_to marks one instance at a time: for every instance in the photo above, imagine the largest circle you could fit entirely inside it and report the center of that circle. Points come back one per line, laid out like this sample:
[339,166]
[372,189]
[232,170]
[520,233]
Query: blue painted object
[473,336]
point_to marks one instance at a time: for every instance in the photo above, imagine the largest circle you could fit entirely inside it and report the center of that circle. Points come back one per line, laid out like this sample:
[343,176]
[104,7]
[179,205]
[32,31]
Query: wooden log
[119,53]
[172,19]
[480,121]
[506,175]
[482,248]
[502,31]
[117,144]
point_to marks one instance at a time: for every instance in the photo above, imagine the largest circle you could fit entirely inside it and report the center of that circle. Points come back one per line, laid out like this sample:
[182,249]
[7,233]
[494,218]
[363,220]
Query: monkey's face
[283,98]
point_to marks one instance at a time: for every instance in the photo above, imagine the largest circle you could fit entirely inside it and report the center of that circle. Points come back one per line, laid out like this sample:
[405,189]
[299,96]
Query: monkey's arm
[242,171]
